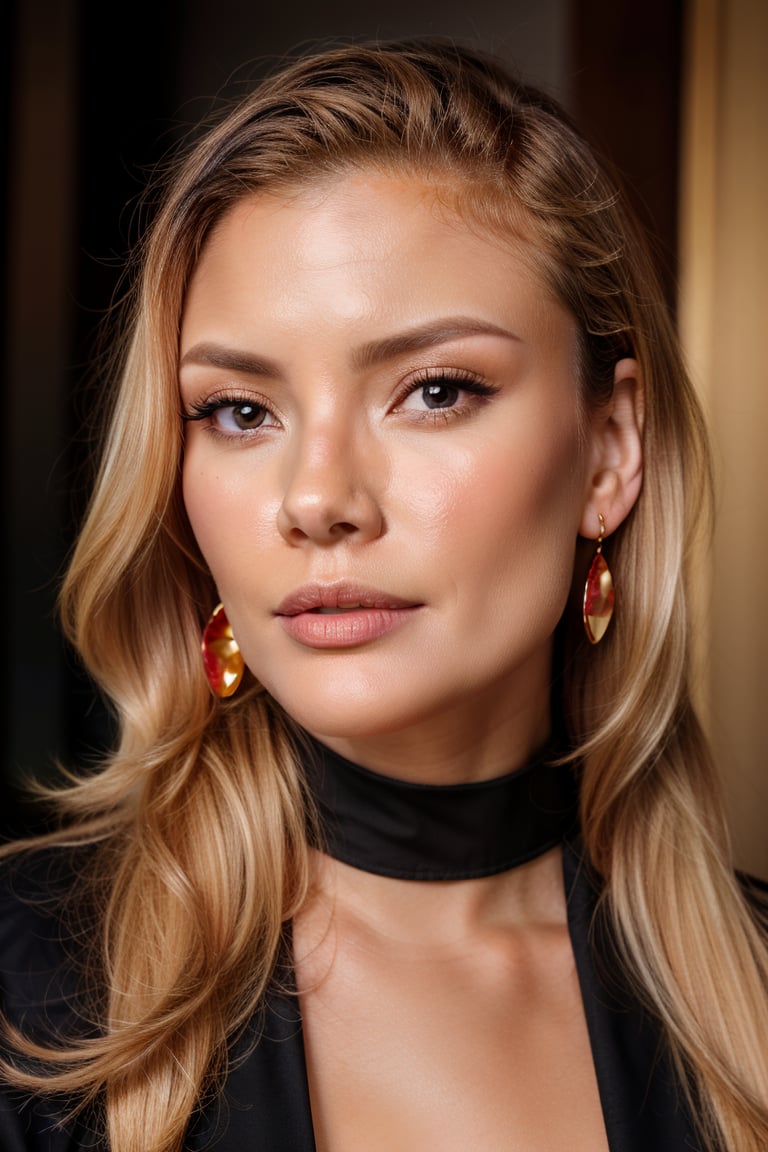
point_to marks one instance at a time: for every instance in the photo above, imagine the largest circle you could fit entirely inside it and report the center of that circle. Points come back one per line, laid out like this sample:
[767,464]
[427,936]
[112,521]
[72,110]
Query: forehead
[429,198]
[365,248]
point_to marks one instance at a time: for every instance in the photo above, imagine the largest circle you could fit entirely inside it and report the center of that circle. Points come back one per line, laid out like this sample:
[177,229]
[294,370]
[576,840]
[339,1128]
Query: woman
[440,862]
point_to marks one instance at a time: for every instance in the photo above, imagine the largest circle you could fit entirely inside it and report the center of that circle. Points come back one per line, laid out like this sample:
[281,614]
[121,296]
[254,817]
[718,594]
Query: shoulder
[43,938]
[42,988]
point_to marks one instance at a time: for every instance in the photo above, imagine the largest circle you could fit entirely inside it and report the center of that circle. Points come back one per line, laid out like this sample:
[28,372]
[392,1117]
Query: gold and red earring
[222,660]
[599,596]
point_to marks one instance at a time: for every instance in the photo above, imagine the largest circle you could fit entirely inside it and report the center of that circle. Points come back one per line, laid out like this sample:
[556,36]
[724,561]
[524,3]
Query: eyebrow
[212,354]
[425,336]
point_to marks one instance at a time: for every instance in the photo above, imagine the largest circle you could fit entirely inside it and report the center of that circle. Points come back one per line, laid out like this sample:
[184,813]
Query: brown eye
[233,417]
[240,416]
[245,416]
[445,392]
[440,394]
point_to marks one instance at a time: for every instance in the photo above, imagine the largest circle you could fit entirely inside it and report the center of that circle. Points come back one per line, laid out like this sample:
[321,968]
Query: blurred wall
[723,320]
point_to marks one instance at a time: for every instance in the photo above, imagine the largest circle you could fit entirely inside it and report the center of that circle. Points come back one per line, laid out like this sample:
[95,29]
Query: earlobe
[616,471]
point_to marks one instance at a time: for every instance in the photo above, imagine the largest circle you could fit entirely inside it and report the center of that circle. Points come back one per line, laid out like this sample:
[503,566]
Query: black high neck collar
[439,831]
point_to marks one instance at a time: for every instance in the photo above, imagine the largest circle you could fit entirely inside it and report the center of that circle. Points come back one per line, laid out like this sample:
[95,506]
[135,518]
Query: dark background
[94,95]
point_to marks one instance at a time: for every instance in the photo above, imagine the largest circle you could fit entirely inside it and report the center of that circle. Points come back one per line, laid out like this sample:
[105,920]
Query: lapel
[635,1076]
[265,1105]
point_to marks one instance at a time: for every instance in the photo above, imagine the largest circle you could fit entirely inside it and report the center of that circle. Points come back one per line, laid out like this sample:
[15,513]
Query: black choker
[439,831]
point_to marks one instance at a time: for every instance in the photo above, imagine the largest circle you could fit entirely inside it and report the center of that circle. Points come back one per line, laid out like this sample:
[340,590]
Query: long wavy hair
[198,818]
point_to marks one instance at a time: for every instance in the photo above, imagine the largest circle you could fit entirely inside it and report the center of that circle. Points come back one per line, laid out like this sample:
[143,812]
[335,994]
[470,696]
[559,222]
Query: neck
[451,753]
[420,831]
[421,915]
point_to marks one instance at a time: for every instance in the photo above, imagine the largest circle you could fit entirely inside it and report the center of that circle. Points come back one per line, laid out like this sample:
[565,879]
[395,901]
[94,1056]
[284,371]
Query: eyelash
[462,381]
[207,409]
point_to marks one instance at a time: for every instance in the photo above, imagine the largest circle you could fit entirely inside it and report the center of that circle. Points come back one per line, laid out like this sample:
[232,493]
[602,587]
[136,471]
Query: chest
[477,1045]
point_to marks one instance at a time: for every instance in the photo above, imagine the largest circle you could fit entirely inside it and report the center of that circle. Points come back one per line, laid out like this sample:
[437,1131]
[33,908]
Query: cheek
[513,527]
[511,493]
[202,501]
[226,516]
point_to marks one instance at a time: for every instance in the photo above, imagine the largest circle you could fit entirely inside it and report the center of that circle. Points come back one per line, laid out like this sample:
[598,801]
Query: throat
[434,832]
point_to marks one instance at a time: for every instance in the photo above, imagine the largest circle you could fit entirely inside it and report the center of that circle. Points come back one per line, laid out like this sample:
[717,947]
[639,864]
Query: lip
[342,615]
[340,596]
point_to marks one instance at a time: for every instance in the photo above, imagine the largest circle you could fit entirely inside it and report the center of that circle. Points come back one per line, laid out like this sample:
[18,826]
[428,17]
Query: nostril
[334,531]
[329,516]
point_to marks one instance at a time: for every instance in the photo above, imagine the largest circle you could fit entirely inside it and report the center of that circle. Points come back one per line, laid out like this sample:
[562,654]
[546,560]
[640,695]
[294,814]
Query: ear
[615,474]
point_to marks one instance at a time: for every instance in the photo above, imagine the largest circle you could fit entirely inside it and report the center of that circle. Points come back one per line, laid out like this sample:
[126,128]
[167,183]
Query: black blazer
[265,1103]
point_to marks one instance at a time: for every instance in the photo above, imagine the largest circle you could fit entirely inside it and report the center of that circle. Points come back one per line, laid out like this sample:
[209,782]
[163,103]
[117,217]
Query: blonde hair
[199,815]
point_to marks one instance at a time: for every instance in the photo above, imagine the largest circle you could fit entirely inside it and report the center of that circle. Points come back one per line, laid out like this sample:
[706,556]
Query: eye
[440,395]
[232,416]
[241,417]
[441,392]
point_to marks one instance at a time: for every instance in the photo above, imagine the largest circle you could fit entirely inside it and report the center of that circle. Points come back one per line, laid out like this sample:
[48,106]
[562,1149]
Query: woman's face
[383,466]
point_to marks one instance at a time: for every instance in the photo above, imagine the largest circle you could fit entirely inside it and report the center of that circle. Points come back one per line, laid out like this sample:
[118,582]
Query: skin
[305,308]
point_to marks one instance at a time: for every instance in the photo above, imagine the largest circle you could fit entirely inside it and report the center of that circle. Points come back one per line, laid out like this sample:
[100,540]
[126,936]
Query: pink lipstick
[341,615]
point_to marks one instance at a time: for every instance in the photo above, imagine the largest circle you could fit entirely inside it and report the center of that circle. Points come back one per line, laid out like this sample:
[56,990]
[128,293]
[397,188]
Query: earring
[222,661]
[598,593]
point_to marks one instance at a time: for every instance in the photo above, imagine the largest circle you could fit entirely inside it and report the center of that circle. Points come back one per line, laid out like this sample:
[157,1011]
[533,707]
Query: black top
[265,1104]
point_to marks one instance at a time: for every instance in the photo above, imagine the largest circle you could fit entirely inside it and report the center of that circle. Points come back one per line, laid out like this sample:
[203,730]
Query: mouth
[337,616]
[336,599]
[335,611]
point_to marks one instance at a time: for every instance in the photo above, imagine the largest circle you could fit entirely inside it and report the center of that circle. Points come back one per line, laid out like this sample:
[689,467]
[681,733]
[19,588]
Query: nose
[330,491]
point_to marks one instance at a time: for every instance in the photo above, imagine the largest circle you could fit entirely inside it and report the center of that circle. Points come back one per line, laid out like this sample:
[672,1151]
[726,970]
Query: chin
[356,711]
[354,722]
